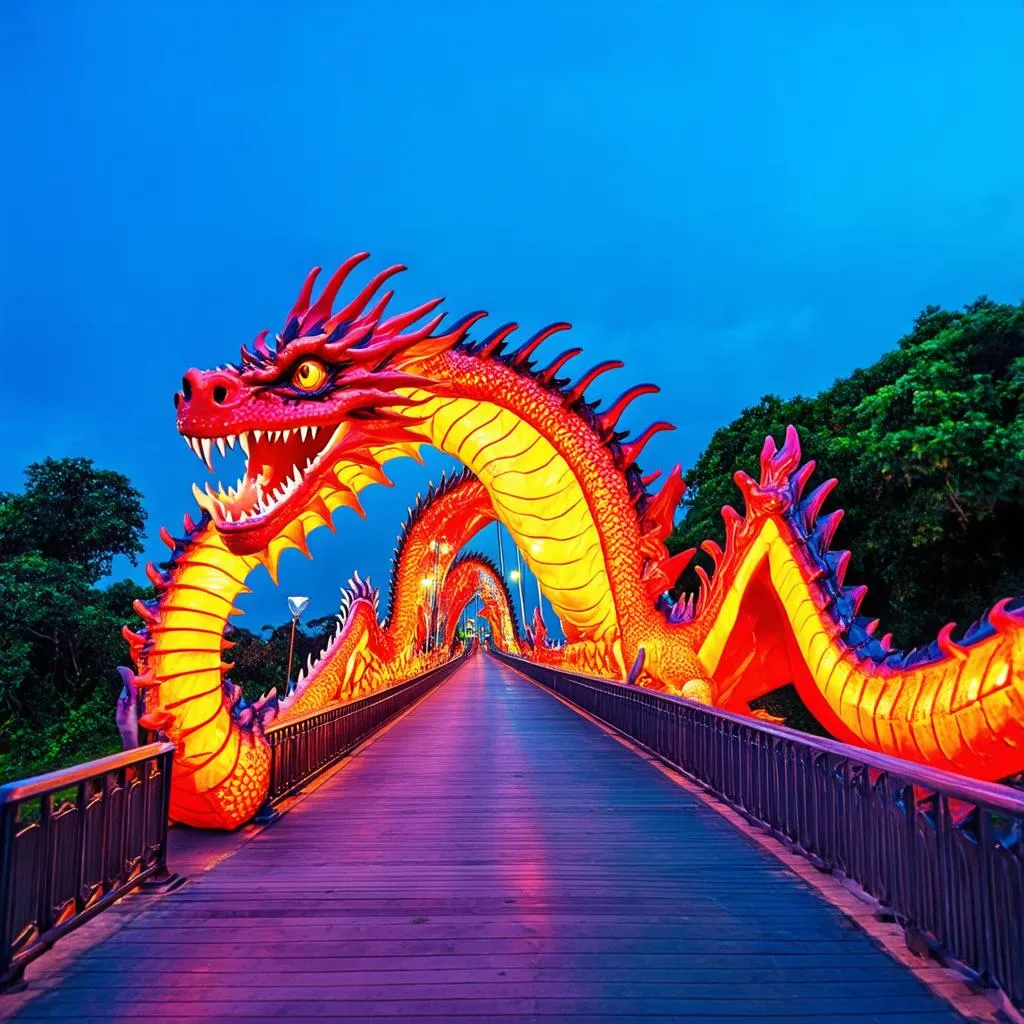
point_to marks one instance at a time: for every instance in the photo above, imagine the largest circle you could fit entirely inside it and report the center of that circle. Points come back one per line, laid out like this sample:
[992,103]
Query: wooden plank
[493,857]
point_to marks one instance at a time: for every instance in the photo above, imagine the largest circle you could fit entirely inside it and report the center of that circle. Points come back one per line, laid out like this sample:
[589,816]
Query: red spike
[546,376]
[650,478]
[189,523]
[948,645]
[524,352]
[856,595]
[496,339]
[812,506]
[156,720]
[260,345]
[712,548]
[841,566]
[705,582]
[136,641]
[577,390]
[248,359]
[167,538]
[355,307]
[608,419]
[663,505]
[145,613]
[788,456]
[400,322]
[828,526]
[633,449]
[871,627]
[156,577]
[800,478]
[886,642]
[321,309]
[302,302]
[768,451]
[144,680]
[675,565]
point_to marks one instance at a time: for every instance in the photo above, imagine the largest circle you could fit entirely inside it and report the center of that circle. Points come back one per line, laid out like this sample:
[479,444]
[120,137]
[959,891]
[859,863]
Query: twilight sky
[735,198]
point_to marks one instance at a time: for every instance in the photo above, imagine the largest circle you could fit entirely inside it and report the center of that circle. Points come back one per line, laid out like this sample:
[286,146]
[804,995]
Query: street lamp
[517,577]
[439,547]
[427,584]
[296,605]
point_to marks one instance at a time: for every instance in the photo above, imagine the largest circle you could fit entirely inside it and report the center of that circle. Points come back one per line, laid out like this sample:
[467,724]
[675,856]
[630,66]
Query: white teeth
[231,440]
[297,477]
[313,431]
[243,443]
[285,434]
[205,444]
[303,430]
[220,445]
[257,434]
[227,515]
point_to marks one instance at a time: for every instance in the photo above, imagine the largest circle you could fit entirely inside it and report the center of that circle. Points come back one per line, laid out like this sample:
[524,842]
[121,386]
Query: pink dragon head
[323,400]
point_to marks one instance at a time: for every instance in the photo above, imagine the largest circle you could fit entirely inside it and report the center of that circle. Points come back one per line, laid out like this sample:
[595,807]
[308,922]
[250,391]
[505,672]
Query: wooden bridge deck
[494,856]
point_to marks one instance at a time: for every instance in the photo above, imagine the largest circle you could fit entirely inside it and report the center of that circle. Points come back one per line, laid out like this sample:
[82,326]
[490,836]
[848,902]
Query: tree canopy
[928,447]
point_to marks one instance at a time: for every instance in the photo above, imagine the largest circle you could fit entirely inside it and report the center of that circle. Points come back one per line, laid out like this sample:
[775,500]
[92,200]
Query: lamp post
[517,577]
[296,605]
[427,584]
[440,547]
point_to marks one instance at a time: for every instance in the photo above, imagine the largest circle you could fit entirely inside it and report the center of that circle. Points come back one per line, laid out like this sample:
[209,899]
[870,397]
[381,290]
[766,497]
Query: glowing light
[514,575]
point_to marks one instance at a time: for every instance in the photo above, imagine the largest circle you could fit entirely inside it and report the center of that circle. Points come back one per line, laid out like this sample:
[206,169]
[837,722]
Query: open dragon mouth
[280,465]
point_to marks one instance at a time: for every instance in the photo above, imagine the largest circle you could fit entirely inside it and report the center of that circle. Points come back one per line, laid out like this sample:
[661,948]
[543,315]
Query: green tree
[60,635]
[71,511]
[927,446]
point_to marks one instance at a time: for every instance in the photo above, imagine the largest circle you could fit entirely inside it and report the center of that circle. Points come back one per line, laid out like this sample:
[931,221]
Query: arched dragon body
[345,391]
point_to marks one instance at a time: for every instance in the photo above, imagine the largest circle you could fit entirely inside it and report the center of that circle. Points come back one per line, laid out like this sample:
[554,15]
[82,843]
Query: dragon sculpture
[470,574]
[365,655]
[340,393]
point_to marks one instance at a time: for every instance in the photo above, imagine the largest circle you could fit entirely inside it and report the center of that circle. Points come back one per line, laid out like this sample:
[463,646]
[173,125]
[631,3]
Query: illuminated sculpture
[343,392]
[365,655]
[470,574]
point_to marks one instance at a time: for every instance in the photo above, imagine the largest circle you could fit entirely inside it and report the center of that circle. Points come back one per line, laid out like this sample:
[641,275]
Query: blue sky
[736,198]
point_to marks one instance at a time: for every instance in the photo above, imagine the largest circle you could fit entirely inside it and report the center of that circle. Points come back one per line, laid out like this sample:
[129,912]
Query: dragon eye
[309,375]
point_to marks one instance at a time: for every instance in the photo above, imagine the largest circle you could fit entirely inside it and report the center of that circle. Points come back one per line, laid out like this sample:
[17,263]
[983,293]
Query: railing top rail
[368,698]
[990,794]
[51,782]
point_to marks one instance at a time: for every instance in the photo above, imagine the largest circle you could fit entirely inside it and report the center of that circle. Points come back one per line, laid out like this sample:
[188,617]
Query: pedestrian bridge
[495,853]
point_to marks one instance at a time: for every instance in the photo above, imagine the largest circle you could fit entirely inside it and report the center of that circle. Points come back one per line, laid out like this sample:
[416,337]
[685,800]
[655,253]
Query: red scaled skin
[343,392]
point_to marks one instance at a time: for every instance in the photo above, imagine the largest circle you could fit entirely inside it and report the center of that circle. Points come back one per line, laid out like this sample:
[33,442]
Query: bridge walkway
[493,856]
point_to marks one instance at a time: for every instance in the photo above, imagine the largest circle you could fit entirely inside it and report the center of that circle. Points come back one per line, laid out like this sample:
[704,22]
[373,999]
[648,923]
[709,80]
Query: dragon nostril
[186,388]
[220,394]
[177,399]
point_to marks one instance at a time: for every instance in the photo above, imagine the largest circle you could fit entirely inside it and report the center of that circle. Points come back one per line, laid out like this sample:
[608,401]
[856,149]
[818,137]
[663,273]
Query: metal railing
[942,853]
[72,842]
[304,747]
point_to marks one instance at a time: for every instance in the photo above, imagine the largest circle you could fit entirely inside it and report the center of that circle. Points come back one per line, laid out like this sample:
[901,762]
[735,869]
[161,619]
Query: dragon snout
[207,393]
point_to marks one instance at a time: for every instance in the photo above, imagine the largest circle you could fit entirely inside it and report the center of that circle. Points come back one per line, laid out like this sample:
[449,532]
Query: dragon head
[321,403]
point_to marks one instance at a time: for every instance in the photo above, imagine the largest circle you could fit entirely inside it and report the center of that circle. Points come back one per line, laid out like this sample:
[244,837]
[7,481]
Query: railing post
[9,978]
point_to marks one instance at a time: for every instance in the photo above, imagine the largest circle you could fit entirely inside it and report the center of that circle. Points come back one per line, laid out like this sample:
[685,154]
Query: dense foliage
[60,635]
[928,448]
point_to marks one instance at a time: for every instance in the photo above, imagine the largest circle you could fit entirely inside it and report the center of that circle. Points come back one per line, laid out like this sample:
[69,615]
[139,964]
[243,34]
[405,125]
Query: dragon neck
[555,485]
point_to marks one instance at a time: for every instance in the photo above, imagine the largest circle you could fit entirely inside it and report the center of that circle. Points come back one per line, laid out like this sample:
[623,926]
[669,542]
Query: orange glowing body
[562,478]
[471,574]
